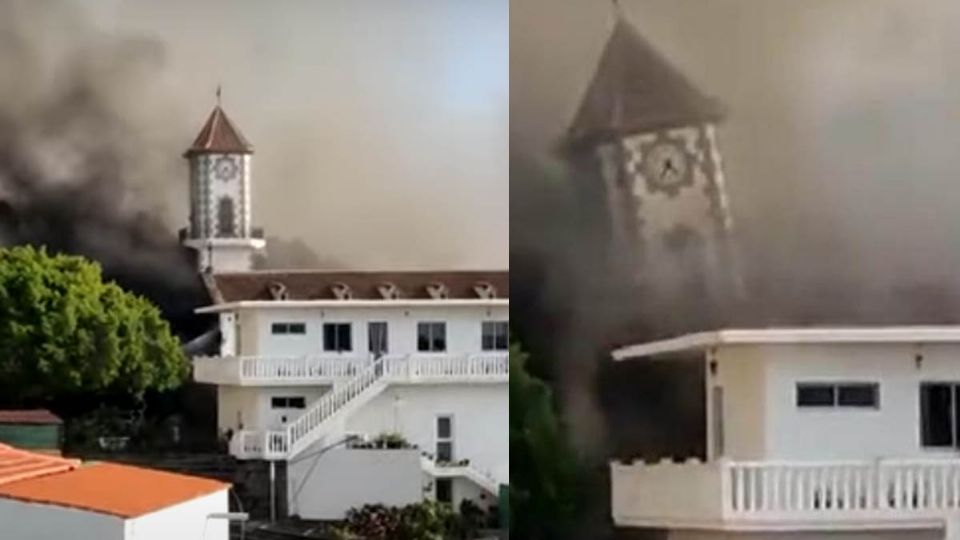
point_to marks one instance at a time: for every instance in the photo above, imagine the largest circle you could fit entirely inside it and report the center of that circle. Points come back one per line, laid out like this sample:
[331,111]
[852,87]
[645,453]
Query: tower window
[225,218]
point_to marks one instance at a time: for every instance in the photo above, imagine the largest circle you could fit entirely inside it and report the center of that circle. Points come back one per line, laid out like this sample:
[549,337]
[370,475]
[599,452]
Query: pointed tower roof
[635,89]
[219,135]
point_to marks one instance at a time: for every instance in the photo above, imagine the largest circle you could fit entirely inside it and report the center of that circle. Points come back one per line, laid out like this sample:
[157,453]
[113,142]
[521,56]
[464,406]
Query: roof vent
[485,290]
[438,291]
[389,291]
[278,291]
[341,291]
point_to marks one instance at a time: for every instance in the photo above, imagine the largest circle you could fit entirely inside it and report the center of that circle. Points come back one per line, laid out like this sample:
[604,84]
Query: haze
[380,131]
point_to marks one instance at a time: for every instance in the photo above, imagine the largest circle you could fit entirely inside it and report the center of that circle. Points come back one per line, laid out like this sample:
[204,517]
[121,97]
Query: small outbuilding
[44,497]
[38,430]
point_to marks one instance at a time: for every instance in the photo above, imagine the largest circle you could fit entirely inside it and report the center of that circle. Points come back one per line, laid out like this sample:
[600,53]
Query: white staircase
[315,422]
[486,482]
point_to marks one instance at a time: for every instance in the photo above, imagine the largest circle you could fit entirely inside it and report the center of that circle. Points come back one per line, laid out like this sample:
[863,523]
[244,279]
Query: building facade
[363,387]
[833,432]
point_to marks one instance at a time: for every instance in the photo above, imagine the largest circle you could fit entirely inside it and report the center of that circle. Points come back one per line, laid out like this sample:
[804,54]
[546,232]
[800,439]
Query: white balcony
[768,495]
[276,370]
[420,368]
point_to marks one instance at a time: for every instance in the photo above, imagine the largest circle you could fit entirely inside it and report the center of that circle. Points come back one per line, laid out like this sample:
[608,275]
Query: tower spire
[218,94]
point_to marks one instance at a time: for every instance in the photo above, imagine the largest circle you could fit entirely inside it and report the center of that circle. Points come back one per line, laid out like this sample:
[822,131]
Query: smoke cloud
[100,99]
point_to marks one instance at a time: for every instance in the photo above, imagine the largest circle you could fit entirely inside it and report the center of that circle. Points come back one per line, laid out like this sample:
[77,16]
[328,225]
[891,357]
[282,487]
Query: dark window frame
[494,336]
[838,395]
[288,328]
[952,433]
[288,402]
[337,337]
[429,339]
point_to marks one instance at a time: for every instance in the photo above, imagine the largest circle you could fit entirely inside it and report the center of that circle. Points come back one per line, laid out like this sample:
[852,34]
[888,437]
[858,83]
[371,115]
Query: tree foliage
[64,330]
[544,477]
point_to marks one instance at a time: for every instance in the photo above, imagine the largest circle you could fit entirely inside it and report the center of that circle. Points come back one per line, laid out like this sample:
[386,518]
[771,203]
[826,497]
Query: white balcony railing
[267,370]
[772,492]
[357,385]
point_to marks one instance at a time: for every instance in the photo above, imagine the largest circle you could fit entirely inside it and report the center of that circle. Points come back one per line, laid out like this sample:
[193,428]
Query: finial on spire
[617,9]
[218,95]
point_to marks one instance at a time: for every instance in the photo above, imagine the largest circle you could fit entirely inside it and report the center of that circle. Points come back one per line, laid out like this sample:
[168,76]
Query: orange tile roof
[19,465]
[111,488]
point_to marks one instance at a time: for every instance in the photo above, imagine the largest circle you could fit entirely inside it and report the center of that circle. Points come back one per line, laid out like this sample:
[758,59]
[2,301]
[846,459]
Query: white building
[43,497]
[313,363]
[830,432]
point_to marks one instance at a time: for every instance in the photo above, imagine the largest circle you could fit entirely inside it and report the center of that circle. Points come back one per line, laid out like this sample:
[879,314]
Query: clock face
[667,168]
[225,168]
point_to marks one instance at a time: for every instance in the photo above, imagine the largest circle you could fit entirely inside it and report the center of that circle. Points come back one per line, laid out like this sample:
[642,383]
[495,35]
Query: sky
[840,148]
[380,127]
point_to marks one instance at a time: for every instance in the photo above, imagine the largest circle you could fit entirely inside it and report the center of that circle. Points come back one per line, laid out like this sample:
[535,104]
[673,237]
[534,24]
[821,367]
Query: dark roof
[318,285]
[635,89]
[29,416]
[219,135]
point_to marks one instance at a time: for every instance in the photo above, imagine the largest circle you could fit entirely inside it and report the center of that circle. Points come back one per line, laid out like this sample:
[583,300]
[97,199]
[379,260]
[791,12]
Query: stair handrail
[331,402]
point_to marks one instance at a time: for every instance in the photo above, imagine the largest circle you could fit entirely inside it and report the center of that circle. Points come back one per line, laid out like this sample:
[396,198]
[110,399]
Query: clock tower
[220,203]
[647,139]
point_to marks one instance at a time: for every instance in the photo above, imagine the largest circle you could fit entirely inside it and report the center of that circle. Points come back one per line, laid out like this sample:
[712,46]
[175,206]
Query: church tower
[220,199]
[648,136]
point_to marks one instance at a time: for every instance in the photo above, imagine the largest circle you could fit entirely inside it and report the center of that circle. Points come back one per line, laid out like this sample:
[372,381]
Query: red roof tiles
[219,135]
[114,489]
[316,285]
[19,465]
[29,416]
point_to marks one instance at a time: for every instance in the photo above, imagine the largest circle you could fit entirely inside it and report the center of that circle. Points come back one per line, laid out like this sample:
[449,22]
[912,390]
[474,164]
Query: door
[717,422]
[377,338]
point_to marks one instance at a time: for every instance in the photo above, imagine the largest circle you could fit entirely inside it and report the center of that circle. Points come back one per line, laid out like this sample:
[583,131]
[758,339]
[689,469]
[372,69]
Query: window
[444,490]
[297,402]
[336,337]
[225,218]
[494,336]
[939,415]
[863,395]
[282,328]
[431,337]
[444,439]
[377,338]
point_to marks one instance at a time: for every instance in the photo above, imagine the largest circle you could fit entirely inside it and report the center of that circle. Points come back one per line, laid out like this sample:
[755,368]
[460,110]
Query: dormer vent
[485,290]
[438,291]
[278,291]
[342,291]
[389,291]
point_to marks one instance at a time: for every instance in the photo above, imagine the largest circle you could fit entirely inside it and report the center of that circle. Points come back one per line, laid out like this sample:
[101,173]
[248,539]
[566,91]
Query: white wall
[324,485]
[463,328]
[183,521]
[480,420]
[790,432]
[740,371]
[253,403]
[30,521]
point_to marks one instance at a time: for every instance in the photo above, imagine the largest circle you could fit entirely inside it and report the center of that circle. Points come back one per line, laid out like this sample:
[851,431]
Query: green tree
[63,330]
[544,473]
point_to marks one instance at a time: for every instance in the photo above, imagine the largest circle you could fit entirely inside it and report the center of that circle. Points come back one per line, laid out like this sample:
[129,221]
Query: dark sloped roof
[29,416]
[635,89]
[318,285]
[219,135]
